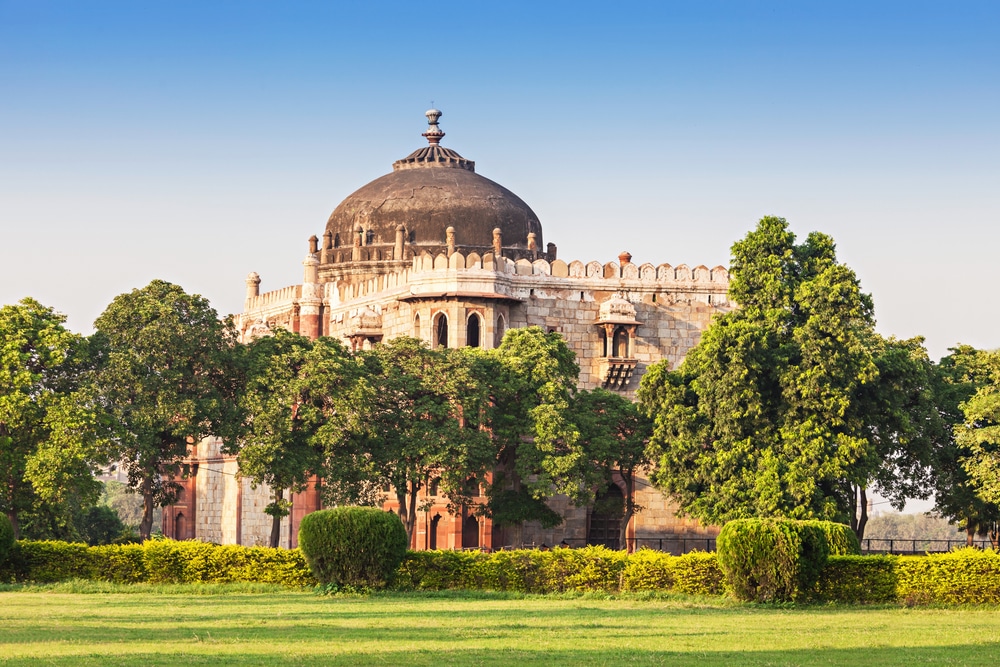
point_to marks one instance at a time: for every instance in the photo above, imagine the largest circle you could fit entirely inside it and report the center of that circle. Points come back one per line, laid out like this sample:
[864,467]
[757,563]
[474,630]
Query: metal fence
[917,547]
[683,545]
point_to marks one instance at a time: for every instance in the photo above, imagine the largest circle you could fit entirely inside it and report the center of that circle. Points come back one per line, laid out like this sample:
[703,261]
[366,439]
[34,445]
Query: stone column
[397,250]
[311,299]
[450,240]
[497,244]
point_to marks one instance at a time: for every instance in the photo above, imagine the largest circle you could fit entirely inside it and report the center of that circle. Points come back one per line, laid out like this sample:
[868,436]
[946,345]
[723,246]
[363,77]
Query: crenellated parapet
[681,275]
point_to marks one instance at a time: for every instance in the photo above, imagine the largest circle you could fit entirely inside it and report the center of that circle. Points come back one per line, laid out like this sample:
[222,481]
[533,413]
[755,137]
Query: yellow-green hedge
[156,561]
[559,570]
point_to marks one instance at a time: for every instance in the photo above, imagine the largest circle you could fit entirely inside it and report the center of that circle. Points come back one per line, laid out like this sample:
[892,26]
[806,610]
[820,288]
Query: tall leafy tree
[276,446]
[960,375]
[614,434]
[532,381]
[899,418]
[47,428]
[419,417]
[757,420]
[979,436]
[166,377]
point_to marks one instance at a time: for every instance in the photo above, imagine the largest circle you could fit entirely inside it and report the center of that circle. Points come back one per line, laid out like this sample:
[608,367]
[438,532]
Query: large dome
[430,190]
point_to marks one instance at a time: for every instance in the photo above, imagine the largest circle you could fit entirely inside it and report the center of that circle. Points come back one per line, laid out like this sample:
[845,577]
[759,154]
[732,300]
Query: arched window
[501,328]
[434,486]
[470,533]
[440,330]
[435,525]
[620,347]
[473,330]
[606,518]
[416,325]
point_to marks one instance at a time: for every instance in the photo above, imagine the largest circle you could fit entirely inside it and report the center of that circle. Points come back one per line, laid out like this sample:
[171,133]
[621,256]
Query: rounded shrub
[771,560]
[353,546]
[6,538]
[840,539]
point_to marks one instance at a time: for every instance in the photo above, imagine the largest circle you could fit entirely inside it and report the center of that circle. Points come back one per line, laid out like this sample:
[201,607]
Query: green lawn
[218,625]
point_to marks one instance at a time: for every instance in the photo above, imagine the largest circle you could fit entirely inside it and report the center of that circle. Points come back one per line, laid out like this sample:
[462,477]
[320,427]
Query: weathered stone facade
[458,286]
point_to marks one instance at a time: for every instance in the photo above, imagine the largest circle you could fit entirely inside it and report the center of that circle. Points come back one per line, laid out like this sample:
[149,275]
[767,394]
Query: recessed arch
[474,330]
[416,325]
[440,330]
[501,328]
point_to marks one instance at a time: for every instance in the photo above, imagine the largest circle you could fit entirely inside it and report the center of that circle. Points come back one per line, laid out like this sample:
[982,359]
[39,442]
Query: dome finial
[434,133]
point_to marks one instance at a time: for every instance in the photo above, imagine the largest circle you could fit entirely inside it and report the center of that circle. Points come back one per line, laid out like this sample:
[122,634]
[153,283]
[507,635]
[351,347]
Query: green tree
[276,446]
[47,428]
[614,434]
[757,420]
[978,435]
[417,415]
[959,376]
[166,376]
[899,418]
[532,377]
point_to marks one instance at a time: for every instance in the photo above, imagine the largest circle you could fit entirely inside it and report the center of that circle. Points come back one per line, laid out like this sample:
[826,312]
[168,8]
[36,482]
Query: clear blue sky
[197,141]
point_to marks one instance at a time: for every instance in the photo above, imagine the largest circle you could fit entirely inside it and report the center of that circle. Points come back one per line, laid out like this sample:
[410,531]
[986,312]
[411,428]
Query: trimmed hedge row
[963,576]
[966,576]
[560,570]
[156,561]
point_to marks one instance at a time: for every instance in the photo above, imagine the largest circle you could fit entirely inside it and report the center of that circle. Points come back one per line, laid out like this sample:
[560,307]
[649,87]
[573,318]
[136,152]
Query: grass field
[93,624]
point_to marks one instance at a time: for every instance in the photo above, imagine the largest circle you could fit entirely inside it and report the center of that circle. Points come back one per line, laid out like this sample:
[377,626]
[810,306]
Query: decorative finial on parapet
[625,257]
[253,284]
[434,133]
[497,243]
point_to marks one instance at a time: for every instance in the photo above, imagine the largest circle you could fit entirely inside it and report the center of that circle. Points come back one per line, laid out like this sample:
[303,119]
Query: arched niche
[474,330]
[440,331]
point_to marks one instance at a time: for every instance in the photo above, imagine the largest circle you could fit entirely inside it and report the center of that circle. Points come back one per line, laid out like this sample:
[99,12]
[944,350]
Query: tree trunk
[146,525]
[279,495]
[854,509]
[863,513]
[12,515]
[970,534]
[629,480]
[411,518]
[404,514]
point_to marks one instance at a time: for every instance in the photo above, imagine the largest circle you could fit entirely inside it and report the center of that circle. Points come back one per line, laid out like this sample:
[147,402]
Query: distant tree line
[790,406]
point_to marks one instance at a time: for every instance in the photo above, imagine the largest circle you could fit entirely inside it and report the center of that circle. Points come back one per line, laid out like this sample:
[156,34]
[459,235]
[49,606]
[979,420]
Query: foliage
[353,546]
[960,376]
[422,417]
[275,444]
[532,377]
[6,538]
[893,525]
[48,428]
[979,434]
[593,569]
[757,421]
[858,580]
[156,561]
[100,524]
[902,425]
[613,435]
[840,539]
[127,505]
[791,406]
[771,560]
[167,377]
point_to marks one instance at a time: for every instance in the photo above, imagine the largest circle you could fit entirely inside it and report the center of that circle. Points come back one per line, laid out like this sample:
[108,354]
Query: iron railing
[917,547]
[683,545]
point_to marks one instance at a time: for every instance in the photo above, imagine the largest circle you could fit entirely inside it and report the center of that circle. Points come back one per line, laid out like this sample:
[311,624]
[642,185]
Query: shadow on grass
[966,654]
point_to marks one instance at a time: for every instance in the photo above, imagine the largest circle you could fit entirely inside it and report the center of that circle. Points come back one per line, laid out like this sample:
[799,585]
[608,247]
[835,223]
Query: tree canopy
[166,378]
[48,428]
[770,415]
